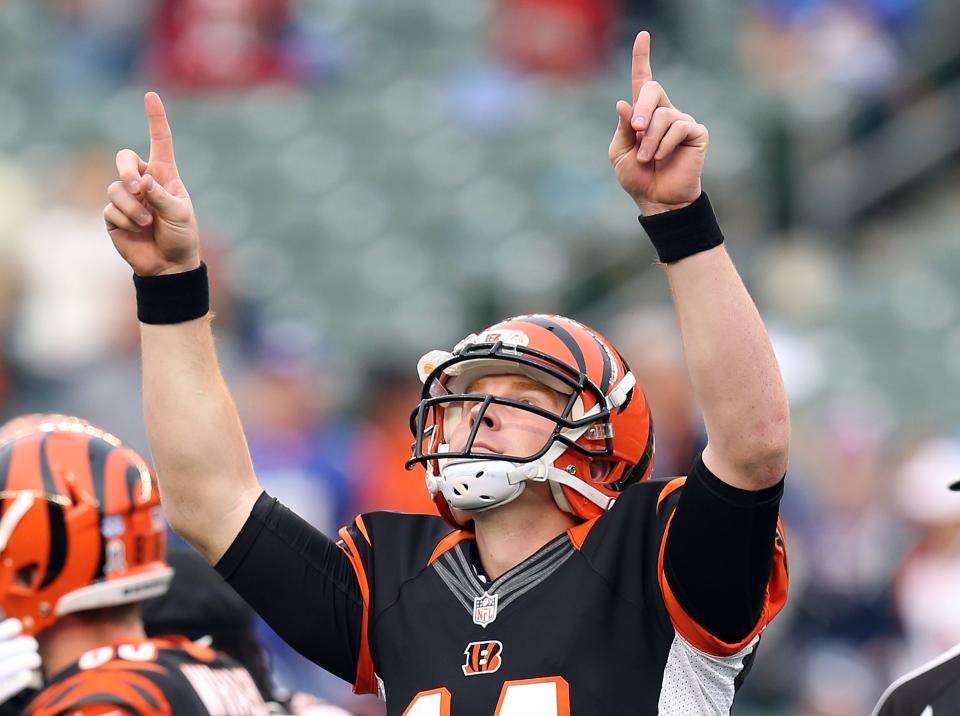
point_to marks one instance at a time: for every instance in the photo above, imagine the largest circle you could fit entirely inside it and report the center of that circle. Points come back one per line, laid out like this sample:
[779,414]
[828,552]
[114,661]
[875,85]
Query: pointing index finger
[161,138]
[641,71]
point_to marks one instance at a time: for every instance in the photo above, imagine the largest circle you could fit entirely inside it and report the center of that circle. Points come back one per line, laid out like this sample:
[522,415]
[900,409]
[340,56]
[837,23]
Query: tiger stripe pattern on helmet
[92,516]
[606,421]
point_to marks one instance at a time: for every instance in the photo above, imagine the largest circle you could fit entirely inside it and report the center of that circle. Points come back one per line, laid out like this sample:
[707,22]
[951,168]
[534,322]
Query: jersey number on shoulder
[128,652]
[549,696]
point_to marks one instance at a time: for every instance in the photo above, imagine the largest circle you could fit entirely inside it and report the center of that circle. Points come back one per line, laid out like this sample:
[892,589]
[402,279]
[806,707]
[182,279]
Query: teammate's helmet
[80,521]
[606,417]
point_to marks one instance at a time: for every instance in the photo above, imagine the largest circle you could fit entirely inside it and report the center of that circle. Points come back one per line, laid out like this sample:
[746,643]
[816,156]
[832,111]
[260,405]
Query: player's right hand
[19,657]
[150,216]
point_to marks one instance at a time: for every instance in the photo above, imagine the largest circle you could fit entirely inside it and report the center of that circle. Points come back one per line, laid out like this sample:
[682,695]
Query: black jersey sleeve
[709,559]
[722,567]
[303,584]
[720,552]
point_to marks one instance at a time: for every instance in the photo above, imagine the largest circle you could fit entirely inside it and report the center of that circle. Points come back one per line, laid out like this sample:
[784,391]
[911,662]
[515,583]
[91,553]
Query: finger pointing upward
[640,71]
[161,138]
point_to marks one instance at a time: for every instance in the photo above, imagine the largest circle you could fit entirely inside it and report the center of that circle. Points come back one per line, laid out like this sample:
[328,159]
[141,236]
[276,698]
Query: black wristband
[683,232]
[173,298]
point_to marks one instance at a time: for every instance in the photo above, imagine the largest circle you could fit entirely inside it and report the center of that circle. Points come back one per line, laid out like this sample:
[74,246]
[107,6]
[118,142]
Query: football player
[82,544]
[202,607]
[558,578]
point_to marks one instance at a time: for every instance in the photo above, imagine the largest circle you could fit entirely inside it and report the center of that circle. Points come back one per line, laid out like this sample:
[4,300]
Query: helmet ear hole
[600,470]
[26,575]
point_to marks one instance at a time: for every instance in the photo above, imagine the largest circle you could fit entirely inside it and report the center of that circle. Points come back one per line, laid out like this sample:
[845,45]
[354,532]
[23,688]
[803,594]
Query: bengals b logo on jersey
[483,657]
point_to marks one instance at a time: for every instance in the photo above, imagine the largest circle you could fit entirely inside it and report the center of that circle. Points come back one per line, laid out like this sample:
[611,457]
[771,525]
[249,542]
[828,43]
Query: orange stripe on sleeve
[365,682]
[774,599]
[363,529]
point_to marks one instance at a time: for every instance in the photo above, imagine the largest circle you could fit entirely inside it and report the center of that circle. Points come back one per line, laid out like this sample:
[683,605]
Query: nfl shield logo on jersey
[484,609]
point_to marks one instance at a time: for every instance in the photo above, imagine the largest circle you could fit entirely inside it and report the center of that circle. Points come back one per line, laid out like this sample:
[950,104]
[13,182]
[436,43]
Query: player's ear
[599,469]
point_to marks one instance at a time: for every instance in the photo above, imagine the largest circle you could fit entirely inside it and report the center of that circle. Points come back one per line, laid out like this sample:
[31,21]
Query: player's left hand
[150,217]
[19,657]
[657,151]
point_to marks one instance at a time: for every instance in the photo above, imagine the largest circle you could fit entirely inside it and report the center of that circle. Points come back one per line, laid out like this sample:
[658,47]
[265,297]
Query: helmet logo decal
[508,336]
[157,521]
[483,657]
[511,337]
[116,557]
[485,609]
[112,526]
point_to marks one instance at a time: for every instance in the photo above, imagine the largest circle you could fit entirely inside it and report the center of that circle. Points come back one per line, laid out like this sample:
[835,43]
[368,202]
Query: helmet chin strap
[561,477]
[476,485]
[479,485]
[543,469]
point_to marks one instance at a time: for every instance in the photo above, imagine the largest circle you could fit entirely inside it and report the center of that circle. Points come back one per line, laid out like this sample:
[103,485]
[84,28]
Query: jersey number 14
[524,697]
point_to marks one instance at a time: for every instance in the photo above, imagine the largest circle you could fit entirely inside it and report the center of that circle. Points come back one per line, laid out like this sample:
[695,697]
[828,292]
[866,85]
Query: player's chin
[462,517]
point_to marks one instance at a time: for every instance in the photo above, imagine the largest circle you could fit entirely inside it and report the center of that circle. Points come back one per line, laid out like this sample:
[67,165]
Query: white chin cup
[478,485]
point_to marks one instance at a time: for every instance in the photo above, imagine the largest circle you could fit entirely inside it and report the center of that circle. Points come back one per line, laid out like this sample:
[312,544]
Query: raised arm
[206,476]
[658,153]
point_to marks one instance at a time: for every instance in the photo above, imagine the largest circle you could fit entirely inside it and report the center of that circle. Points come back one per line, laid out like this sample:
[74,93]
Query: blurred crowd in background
[376,179]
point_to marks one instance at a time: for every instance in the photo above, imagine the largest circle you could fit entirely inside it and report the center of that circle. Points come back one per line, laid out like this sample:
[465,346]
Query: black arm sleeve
[719,552]
[301,583]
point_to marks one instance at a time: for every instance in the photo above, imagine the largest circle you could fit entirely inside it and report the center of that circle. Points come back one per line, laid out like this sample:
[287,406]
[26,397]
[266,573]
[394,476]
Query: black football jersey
[151,677]
[931,690]
[587,625]
[654,607]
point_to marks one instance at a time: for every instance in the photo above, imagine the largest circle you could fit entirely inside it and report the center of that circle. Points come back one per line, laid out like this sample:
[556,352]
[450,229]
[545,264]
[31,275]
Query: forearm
[658,153]
[733,370]
[206,476]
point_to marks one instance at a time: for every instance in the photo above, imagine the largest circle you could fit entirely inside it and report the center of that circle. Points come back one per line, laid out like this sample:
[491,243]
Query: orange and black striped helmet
[80,521]
[606,415]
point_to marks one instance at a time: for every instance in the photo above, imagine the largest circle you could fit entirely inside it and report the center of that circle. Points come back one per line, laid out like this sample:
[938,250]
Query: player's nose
[486,413]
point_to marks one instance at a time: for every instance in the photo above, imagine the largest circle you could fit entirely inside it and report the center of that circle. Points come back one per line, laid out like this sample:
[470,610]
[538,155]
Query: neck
[65,642]
[509,534]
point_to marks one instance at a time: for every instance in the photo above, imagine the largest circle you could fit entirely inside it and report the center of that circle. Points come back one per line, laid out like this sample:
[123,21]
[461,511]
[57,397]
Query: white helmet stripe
[13,515]
[621,390]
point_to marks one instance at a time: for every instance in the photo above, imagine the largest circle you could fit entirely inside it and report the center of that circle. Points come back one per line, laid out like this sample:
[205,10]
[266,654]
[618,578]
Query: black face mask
[427,417]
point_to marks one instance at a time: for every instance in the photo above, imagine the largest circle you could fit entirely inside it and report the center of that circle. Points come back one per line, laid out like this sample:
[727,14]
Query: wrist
[682,232]
[176,297]
[183,267]
[652,209]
